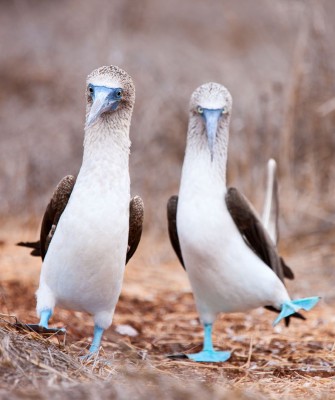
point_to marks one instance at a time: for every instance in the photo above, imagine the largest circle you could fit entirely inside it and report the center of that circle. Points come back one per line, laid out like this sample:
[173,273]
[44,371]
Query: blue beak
[211,121]
[104,99]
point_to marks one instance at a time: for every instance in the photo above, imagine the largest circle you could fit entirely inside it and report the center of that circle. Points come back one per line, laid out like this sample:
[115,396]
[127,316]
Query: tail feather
[291,307]
[36,246]
[271,202]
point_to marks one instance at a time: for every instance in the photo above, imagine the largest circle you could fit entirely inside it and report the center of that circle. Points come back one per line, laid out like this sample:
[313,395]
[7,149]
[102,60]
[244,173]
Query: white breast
[85,262]
[225,274]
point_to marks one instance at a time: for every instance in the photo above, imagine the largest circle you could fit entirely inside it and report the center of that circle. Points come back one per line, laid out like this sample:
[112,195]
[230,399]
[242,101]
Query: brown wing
[254,233]
[257,238]
[51,216]
[136,215]
[172,206]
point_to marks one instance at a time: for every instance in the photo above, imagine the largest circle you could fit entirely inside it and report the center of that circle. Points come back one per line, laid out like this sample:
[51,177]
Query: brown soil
[156,301]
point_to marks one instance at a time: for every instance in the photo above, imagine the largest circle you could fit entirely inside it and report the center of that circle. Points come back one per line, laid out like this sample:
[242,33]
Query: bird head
[109,91]
[210,109]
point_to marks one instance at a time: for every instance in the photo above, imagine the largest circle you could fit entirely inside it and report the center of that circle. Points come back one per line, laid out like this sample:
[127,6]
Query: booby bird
[91,228]
[231,261]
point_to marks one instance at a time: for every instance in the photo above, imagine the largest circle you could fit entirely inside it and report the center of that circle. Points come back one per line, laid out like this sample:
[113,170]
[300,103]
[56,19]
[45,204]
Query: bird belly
[85,262]
[225,274]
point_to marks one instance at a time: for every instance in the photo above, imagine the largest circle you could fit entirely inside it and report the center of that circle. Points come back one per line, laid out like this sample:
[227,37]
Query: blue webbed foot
[44,324]
[292,306]
[46,331]
[43,327]
[210,356]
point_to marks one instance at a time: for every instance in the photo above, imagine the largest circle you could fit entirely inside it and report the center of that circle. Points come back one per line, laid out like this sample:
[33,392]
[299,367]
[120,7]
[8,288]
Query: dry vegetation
[156,301]
[277,58]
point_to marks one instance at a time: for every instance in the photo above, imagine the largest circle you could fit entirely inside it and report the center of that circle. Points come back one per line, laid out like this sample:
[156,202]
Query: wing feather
[257,238]
[57,205]
[172,206]
[136,215]
[254,234]
[53,212]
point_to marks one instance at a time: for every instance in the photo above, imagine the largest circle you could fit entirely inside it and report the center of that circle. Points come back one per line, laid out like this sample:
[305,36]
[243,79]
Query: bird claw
[179,356]
[41,330]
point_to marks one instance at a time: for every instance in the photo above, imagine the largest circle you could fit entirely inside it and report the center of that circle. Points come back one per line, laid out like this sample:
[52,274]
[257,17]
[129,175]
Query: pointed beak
[104,100]
[211,121]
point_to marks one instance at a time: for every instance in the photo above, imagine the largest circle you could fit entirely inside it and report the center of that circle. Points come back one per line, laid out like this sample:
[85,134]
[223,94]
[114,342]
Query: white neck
[106,151]
[198,164]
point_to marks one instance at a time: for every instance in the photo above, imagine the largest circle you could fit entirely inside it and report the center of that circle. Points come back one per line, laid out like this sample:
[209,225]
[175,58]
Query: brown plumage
[136,215]
[254,234]
[172,207]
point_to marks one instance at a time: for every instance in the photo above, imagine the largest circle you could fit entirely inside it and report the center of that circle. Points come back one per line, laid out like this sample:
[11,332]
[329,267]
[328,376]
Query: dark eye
[119,93]
[91,90]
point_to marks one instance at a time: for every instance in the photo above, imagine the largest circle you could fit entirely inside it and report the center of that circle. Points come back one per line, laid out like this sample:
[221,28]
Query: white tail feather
[271,203]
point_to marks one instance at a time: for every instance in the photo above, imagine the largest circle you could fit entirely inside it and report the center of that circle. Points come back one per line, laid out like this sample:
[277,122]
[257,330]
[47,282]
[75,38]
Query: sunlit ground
[157,303]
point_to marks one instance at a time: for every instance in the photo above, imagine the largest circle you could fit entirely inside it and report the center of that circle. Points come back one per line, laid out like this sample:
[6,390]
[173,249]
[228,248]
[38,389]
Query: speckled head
[109,90]
[210,110]
[212,96]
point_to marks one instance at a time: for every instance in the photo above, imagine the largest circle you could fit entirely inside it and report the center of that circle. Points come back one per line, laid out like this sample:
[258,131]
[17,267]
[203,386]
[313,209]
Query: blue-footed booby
[230,258]
[91,228]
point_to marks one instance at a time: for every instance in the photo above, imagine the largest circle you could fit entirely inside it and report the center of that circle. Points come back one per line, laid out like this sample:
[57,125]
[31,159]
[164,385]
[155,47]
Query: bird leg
[292,306]
[45,316]
[93,351]
[43,326]
[208,354]
[96,339]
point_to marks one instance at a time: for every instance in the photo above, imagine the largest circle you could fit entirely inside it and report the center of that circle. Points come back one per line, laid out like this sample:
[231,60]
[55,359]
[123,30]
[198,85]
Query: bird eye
[200,110]
[224,110]
[119,93]
[91,90]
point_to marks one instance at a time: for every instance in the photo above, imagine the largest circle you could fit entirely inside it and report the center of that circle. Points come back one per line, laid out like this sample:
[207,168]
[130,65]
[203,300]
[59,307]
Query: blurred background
[276,58]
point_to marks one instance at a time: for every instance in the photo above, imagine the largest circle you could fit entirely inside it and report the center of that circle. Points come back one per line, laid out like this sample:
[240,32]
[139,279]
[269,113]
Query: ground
[156,301]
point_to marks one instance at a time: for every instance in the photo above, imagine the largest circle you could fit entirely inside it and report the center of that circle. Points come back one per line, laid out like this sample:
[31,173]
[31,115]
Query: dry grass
[296,362]
[156,301]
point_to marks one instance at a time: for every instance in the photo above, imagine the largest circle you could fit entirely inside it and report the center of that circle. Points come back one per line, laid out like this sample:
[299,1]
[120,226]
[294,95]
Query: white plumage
[210,226]
[84,266]
[225,274]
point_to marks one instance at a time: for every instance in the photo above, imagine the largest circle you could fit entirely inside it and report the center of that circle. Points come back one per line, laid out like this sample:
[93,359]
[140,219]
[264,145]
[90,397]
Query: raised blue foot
[208,354]
[292,306]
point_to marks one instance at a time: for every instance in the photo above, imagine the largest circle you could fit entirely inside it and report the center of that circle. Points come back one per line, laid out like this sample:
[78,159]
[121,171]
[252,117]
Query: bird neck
[198,159]
[107,146]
